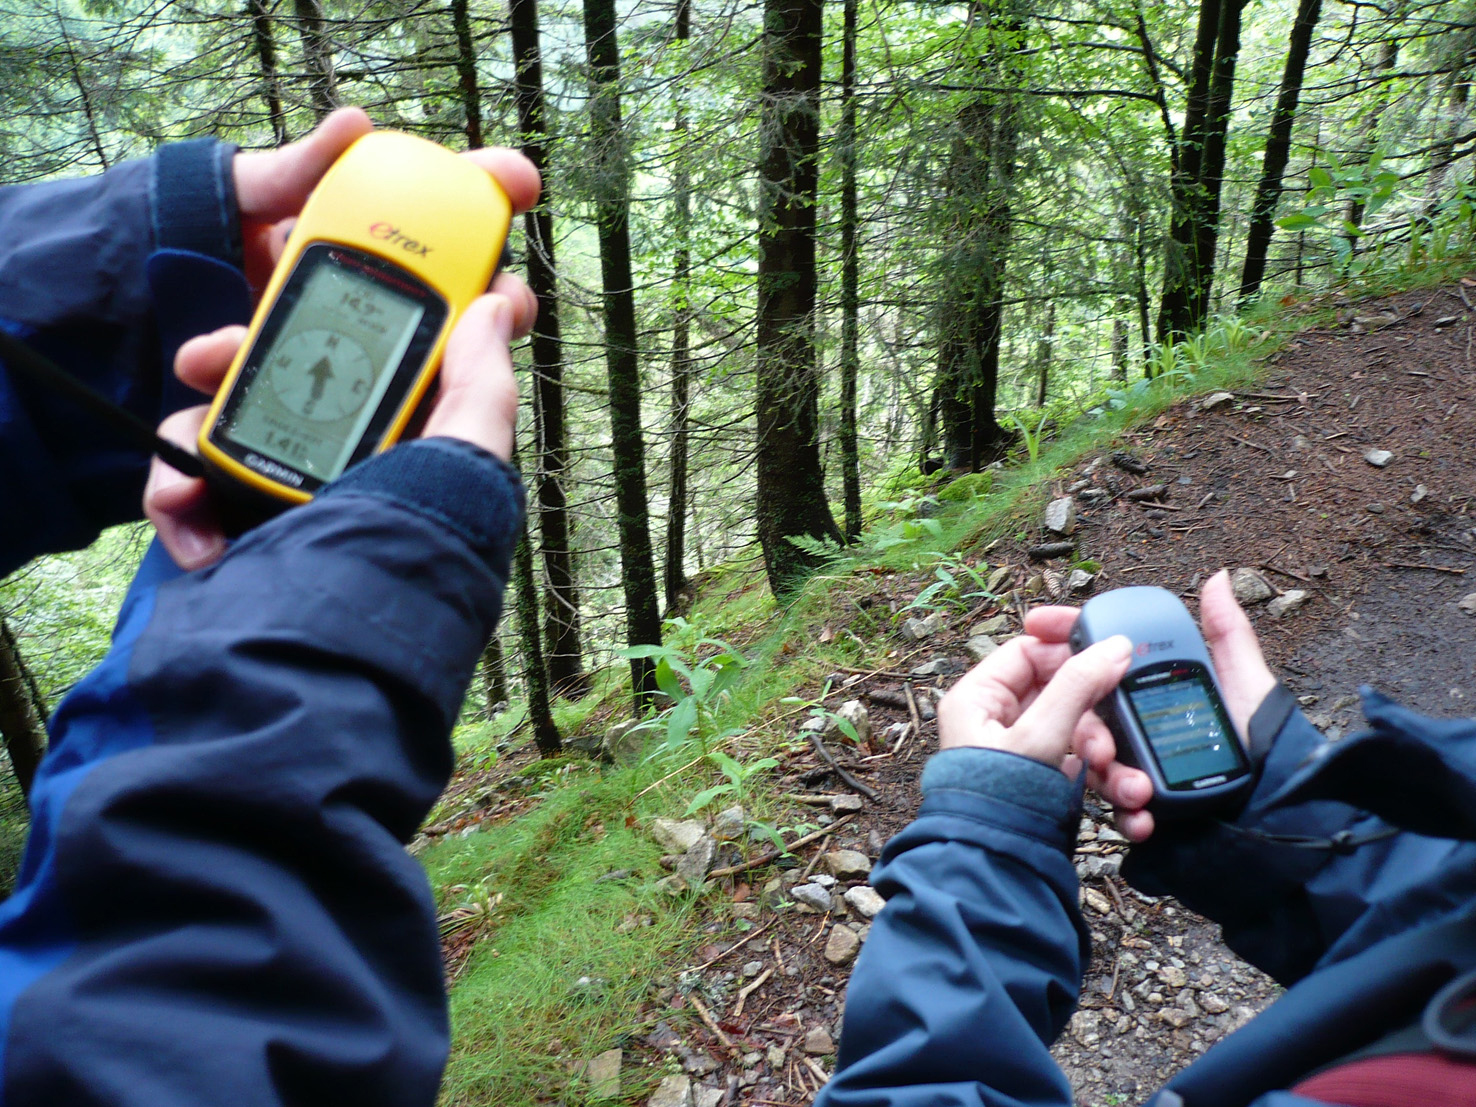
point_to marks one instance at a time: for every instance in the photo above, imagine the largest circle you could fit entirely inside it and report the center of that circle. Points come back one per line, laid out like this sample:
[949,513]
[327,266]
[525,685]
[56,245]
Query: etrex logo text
[1145,648]
[388,232]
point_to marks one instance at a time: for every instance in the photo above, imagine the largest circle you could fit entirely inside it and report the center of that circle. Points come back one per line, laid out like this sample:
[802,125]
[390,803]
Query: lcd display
[318,386]
[1181,716]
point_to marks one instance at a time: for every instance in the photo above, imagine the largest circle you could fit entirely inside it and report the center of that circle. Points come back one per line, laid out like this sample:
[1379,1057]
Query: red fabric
[1398,1080]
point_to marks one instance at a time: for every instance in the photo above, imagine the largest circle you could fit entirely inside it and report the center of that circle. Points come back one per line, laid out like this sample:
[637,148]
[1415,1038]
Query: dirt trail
[1284,478]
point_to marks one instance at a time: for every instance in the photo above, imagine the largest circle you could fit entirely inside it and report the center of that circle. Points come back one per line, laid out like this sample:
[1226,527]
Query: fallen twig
[846,778]
[1432,568]
[750,936]
[748,990]
[1252,445]
[774,854]
[706,1016]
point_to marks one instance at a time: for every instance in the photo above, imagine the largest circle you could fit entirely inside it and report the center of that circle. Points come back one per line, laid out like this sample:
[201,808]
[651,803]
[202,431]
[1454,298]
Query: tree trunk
[562,629]
[271,80]
[850,281]
[981,179]
[675,578]
[317,57]
[22,715]
[612,213]
[1369,129]
[1278,151]
[1044,352]
[466,73]
[791,484]
[535,677]
[494,673]
[1186,179]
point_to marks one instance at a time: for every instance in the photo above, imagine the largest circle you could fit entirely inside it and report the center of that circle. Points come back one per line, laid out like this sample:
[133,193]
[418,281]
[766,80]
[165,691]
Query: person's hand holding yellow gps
[325,380]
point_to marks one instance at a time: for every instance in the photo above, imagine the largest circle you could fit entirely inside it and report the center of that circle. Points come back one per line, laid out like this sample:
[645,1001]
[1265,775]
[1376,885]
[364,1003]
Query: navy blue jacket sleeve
[974,965]
[1293,885]
[74,284]
[215,906]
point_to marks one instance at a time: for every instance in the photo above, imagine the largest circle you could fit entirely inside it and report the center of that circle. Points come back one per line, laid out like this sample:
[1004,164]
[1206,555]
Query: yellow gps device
[397,239]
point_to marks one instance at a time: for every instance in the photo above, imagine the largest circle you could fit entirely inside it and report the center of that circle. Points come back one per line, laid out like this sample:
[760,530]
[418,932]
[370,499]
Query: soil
[1277,478]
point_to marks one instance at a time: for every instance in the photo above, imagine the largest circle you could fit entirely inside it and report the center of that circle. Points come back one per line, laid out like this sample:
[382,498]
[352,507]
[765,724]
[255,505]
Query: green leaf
[706,796]
[1319,177]
[666,680]
[1297,221]
[681,721]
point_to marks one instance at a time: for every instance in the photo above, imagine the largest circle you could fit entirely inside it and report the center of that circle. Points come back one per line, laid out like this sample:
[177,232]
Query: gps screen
[1181,716]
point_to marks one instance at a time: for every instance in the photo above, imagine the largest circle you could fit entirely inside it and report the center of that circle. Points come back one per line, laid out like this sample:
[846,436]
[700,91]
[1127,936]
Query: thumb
[478,397]
[274,184]
[1244,675]
[1049,723]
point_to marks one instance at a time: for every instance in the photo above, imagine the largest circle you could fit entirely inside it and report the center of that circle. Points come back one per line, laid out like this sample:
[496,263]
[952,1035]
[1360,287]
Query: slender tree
[1197,171]
[1278,150]
[264,43]
[22,713]
[535,676]
[466,72]
[317,57]
[562,630]
[622,359]
[850,360]
[791,484]
[980,189]
[675,575]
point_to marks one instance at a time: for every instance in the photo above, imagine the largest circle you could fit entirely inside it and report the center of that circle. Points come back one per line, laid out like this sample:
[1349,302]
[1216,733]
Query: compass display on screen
[321,375]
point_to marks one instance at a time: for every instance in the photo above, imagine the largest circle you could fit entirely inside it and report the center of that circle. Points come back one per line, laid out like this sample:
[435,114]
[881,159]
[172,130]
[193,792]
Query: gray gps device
[1167,713]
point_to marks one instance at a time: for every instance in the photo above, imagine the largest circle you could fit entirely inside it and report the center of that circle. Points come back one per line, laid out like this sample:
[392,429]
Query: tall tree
[675,569]
[1278,150]
[317,57]
[791,484]
[979,186]
[1198,165]
[535,676]
[22,712]
[466,72]
[622,359]
[565,656]
[850,359]
[265,45]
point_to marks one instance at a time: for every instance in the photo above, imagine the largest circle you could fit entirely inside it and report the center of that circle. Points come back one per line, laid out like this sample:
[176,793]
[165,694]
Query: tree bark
[981,179]
[791,483]
[317,57]
[612,213]
[1194,183]
[1278,151]
[675,575]
[494,673]
[22,716]
[850,360]
[563,626]
[535,677]
[271,80]
[466,73]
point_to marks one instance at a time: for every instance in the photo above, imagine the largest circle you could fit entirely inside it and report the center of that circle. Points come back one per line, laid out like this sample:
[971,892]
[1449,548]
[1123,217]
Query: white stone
[1060,516]
[1287,602]
[603,1075]
[865,900]
[1378,458]
[676,836]
[674,1091]
[1250,586]
[855,713]
[848,864]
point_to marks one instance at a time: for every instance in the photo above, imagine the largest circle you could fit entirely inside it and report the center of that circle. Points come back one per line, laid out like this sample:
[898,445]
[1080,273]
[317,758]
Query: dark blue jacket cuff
[1039,799]
[464,487]
[194,200]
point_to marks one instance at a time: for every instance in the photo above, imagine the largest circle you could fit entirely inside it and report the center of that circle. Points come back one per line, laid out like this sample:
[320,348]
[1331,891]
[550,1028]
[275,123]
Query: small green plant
[1333,188]
[695,686]
[956,587]
[1029,435]
[737,779]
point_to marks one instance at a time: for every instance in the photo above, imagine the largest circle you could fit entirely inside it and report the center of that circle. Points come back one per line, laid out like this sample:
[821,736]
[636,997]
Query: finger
[1076,688]
[1136,826]
[273,184]
[996,691]
[478,397]
[1051,624]
[202,362]
[1244,675]
[180,506]
[514,172]
[520,296]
